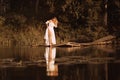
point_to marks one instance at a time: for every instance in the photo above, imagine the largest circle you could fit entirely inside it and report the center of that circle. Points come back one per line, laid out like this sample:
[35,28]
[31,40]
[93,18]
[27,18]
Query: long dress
[50,34]
[51,67]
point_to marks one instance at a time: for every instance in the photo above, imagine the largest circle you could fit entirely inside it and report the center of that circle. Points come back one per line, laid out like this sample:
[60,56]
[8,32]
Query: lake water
[60,63]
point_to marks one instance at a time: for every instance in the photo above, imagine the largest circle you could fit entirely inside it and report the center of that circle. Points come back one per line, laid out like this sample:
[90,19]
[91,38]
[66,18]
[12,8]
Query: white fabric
[50,54]
[50,27]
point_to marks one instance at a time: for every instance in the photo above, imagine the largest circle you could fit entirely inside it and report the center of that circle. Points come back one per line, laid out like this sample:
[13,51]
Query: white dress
[50,54]
[50,34]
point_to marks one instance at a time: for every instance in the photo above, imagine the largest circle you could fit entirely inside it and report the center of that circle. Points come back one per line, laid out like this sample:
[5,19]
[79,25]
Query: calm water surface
[44,63]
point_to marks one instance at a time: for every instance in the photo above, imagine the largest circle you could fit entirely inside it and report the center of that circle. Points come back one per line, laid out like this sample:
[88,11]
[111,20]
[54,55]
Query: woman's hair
[55,21]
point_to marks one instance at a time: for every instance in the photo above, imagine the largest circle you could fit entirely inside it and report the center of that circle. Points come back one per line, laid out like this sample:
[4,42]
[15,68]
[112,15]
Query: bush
[15,21]
[2,20]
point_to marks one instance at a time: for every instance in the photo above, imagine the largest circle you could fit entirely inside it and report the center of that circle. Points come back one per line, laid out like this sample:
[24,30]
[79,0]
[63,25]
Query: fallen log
[105,40]
[101,41]
[69,44]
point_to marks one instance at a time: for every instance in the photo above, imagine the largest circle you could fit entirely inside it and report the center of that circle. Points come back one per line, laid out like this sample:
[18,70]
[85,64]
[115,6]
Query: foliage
[2,20]
[33,33]
[15,21]
[79,20]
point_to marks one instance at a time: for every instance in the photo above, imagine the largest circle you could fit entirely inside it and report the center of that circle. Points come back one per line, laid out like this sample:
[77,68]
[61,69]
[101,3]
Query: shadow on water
[47,63]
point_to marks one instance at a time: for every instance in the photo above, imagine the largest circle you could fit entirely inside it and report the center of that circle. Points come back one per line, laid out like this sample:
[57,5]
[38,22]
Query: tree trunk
[36,7]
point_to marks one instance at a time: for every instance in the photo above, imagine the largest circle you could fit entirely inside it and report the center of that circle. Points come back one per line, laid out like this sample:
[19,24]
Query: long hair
[55,21]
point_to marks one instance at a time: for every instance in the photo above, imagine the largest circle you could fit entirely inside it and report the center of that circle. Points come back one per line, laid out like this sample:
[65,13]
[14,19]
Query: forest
[22,22]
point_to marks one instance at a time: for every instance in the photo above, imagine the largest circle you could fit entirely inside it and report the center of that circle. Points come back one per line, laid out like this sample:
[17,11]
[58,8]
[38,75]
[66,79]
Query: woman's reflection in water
[52,68]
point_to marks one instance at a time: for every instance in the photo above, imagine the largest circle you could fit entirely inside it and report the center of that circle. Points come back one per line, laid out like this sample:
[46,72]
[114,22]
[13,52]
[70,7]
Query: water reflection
[52,68]
[43,63]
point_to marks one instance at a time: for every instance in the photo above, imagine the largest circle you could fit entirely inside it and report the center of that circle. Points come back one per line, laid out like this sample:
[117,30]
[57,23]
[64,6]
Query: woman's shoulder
[47,22]
[50,23]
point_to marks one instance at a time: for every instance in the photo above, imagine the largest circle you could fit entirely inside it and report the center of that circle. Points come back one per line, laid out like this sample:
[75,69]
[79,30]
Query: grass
[18,31]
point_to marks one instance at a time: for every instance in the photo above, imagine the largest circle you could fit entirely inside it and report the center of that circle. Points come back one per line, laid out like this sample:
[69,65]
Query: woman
[50,34]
